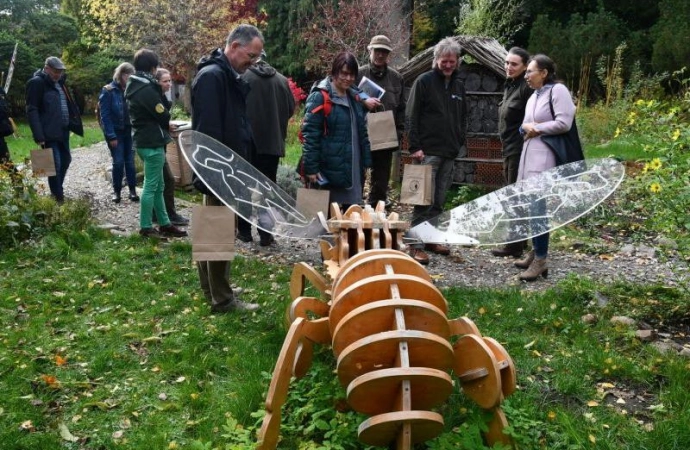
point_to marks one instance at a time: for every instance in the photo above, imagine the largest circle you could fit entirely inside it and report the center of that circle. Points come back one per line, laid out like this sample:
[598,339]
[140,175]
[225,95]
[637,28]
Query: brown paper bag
[381,129]
[213,233]
[42,162]
[417,186]
[311,201]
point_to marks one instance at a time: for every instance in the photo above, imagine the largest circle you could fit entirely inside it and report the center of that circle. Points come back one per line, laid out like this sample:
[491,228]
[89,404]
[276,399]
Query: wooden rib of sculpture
[388,328]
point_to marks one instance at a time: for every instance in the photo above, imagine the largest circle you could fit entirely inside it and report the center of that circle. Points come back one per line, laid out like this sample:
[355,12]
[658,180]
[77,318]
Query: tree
[498,19]
[350,25]
[180,33]
[672,32]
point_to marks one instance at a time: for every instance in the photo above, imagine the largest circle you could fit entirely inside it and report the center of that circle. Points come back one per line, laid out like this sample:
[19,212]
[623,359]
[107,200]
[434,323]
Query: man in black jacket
[270,104]
[52,114]
[219,110]
[436,117]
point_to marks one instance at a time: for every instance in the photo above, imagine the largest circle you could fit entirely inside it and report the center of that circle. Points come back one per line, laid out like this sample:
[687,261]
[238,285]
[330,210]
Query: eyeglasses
[343,74]
[529,72]
[253,57]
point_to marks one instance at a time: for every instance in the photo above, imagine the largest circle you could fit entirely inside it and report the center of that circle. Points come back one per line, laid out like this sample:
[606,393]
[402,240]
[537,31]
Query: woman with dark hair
[336,147]
[150,119]
[511,111]
[117,129]
[550,110]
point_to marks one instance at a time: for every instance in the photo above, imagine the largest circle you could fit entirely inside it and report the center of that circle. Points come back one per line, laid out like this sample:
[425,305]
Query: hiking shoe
[245,237]
[133,197]
[116,198]
[420,256]
[438,249]
[171,230]
[150,233]
[234,305]
[178,220]
[267,241]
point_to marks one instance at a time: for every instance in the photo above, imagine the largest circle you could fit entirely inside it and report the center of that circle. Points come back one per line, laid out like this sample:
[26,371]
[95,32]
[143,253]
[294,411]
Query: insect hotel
[398,353]
[480,161]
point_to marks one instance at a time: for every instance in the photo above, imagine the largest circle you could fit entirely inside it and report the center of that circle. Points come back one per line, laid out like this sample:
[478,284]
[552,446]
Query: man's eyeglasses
[253,57]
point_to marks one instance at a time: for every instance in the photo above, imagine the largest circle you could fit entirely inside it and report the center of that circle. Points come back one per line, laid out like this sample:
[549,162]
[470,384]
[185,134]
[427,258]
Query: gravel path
[474,267]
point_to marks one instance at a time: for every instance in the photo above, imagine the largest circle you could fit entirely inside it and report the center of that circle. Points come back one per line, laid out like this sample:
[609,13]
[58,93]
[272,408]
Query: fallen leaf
[530,344]
[180,380]
[65,433]
[162,396]
[482,311]
[592,439]
[592,403]
[607,385]
[118,434]
[27,425]
[60,361]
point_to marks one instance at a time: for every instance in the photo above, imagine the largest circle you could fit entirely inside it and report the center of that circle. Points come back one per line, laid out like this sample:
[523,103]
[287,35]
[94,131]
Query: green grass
[146,365]
[22,143]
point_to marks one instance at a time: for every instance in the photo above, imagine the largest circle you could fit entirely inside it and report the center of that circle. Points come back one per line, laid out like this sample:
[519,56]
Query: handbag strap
[553,114]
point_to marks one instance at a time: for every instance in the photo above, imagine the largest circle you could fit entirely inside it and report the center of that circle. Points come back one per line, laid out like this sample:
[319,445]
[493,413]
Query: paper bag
[311,201]
[381,129]
[213,233]
[42,162]
[417,186]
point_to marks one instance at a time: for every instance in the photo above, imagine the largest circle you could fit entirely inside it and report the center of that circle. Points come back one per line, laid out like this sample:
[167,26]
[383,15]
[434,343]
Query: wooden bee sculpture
[388,327]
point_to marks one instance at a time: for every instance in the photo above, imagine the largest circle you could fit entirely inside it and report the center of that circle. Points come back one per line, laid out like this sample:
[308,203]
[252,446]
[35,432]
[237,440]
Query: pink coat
[536,155]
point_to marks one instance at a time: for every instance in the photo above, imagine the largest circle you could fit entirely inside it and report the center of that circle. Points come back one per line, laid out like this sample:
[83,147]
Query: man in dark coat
[394,100]
[52,114]
[270,104]
[219,110]
[436,117]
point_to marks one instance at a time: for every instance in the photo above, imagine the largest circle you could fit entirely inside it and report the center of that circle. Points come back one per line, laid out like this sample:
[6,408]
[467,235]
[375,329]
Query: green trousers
[152,195]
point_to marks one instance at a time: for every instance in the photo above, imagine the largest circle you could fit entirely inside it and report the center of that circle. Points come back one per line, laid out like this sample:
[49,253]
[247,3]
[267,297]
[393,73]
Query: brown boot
[526,261]
[513,249]
[538,267]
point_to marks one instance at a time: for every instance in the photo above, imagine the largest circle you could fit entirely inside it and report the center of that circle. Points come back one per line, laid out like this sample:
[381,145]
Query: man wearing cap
[52,114]
[394,99]
[270,104]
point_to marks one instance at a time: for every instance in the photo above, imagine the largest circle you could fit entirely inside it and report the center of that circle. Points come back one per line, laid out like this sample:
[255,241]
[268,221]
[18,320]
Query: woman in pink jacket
[550,110]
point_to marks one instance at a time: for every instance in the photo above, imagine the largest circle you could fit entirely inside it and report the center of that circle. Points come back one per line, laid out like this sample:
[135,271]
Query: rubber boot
[538,267]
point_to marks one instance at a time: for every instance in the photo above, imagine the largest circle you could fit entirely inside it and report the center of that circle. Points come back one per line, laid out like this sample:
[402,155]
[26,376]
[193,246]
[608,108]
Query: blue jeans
[442,179]
[63,158]
[123,161]
[152,194]
[540,222]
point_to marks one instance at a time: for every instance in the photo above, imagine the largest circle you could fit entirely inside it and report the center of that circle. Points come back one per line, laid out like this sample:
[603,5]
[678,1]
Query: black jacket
[270,104]
[511,111]
[437,116]
[43,108]
[219,104]
[149,116]
[395,97]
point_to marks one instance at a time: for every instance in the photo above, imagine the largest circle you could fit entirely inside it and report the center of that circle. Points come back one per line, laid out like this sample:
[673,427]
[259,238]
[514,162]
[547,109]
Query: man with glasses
[52,114]
[219,110]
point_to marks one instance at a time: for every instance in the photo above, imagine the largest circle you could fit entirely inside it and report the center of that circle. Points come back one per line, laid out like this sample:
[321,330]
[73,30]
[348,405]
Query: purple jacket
[536,155]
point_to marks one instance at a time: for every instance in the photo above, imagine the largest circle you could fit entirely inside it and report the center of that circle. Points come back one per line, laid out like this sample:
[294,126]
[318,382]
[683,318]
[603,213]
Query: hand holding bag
[417,186]
[213,233]
[42,162]
[311,201]
[382,132]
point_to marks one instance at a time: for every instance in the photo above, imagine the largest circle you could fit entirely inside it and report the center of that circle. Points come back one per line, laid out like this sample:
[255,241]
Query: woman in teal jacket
[336,148]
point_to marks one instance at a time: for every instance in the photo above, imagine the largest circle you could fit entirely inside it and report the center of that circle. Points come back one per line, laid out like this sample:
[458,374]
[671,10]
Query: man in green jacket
[436,117]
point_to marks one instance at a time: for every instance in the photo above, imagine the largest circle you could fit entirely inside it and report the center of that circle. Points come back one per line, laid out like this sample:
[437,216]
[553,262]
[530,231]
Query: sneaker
[150,233]
[116,198]
[244,237]
[133,197]
[234,305]
[178,220]
[171,230]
